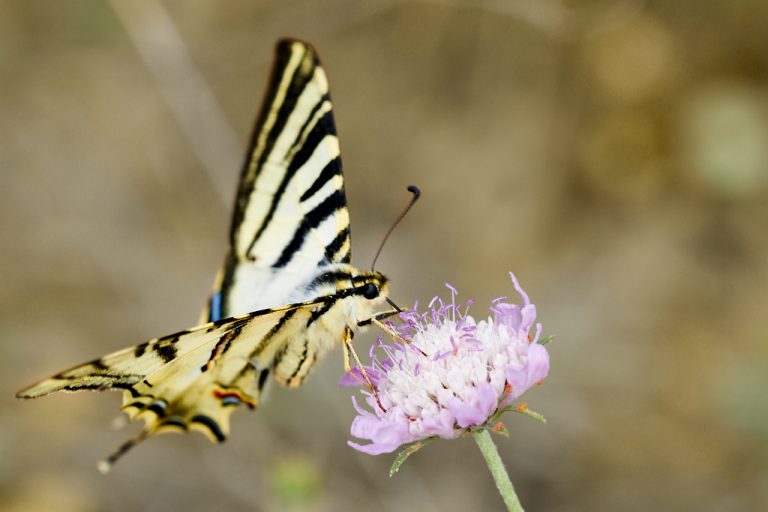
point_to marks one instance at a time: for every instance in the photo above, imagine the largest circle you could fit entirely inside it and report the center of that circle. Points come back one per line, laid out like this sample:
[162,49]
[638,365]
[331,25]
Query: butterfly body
[286,293]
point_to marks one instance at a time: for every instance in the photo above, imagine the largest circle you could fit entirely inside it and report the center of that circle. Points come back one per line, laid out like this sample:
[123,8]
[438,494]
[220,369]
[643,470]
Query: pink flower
[451,374]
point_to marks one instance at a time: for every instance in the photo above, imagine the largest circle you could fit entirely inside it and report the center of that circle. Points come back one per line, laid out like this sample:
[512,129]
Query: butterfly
[289,243]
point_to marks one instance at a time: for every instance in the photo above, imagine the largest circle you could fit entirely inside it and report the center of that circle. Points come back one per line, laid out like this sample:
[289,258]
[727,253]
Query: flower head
[449,374]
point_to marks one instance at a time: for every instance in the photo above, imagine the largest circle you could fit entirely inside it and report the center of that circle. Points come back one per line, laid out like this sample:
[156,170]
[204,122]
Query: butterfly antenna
[413,189]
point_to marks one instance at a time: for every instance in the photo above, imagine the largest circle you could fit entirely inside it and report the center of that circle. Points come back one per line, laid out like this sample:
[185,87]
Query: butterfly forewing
[290,214]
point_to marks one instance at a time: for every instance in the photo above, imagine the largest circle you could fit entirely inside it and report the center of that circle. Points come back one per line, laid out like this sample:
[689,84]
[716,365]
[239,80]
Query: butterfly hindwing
[290,214]
[192,379]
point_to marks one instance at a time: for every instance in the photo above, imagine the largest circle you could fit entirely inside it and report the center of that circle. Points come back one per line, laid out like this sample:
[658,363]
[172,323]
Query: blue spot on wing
[215,307]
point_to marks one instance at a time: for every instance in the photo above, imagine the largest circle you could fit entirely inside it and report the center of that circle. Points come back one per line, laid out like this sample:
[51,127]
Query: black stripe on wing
[311,221]
[283,104]
[303,152]
[333,168]
[297,91]
[332,250]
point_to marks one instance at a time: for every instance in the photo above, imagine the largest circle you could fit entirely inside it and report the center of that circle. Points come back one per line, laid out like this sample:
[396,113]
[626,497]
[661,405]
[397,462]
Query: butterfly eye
[370,291]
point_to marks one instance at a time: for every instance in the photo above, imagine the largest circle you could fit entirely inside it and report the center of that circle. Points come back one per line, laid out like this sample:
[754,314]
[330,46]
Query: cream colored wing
[194,379]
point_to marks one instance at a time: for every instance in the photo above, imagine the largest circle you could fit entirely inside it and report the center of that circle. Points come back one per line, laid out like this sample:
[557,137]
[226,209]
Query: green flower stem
[499,472]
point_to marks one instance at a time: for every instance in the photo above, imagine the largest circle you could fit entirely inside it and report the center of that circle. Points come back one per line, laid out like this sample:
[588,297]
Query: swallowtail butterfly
[289,243]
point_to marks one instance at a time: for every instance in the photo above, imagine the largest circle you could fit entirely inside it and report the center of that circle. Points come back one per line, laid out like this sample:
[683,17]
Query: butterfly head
[370,285]
[364,295]
[361,292]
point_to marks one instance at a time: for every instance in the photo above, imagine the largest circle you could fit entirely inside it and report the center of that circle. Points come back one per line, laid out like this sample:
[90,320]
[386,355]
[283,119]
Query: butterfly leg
[349,349]
[377,319]
[389,330]
[395,335]
[378,316]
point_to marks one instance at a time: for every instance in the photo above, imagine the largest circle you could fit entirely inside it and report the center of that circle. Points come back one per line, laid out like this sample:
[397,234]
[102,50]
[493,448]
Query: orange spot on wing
[219,393]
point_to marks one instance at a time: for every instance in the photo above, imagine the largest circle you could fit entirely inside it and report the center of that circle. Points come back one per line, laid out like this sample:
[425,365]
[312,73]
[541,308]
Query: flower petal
[440,424]
[529,316]
[536,368]
[508,315]
[538,363]
[519,289]
[385,435]
[352,378]
[478,410]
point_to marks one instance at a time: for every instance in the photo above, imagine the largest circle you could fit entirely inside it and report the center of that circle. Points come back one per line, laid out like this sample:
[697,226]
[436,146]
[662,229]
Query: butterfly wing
[290,215]
[193,379]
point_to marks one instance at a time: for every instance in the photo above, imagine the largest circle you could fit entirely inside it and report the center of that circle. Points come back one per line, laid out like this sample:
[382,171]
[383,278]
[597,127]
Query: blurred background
[612,153]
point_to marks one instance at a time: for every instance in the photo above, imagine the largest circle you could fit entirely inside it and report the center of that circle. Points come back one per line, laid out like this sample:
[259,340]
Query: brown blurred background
[614,154]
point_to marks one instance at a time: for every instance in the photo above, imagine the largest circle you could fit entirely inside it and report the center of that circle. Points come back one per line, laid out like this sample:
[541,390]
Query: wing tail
[208,414]
[211,420]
